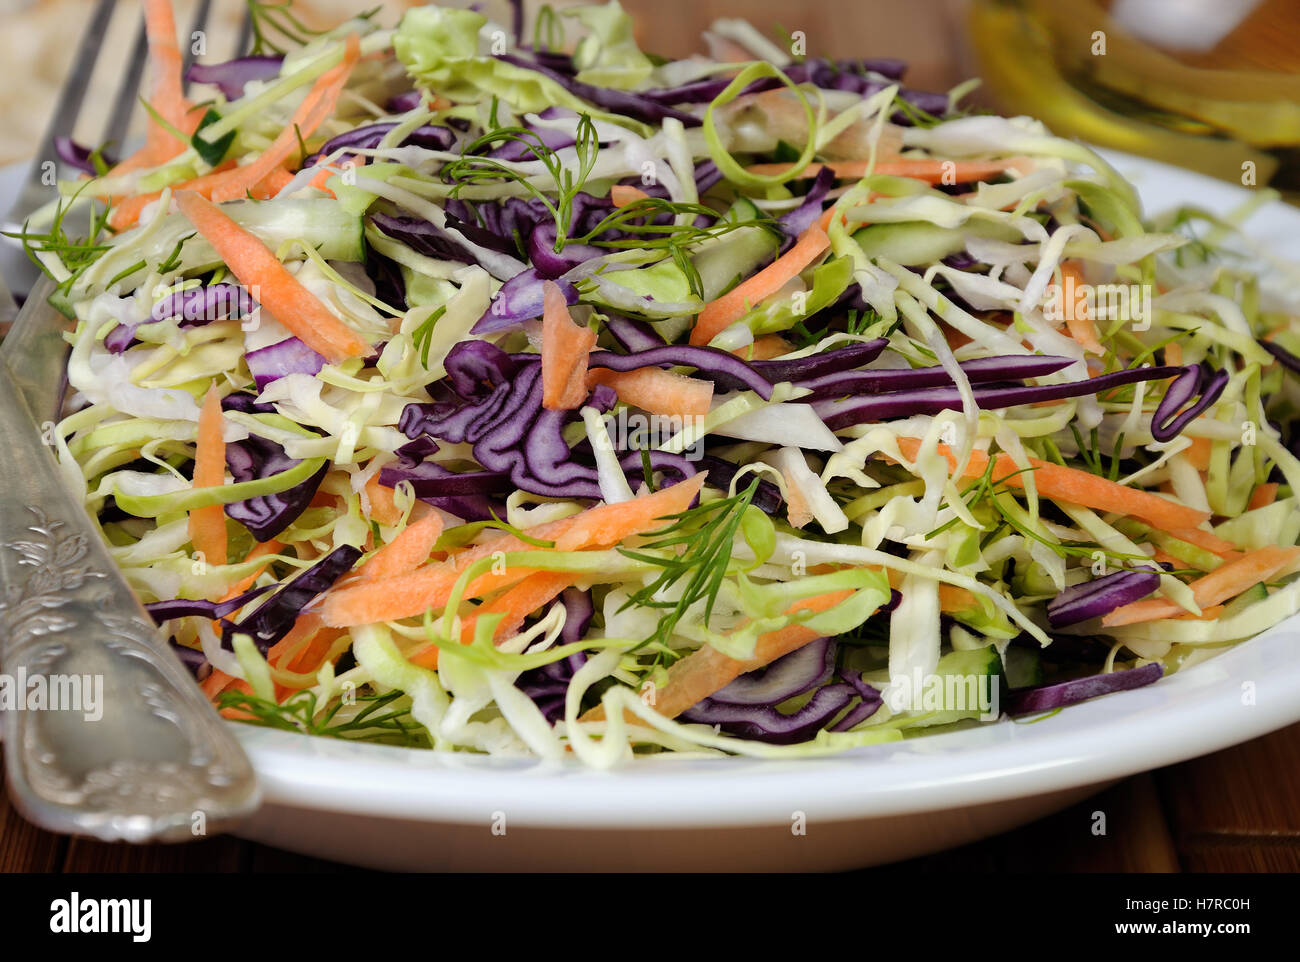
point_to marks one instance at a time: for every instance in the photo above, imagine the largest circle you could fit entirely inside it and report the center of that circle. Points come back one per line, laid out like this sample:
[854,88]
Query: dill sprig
[270,19]
[374,721]
[1092,455]
[640,216]
[76,253]
[472,167]
[707,532]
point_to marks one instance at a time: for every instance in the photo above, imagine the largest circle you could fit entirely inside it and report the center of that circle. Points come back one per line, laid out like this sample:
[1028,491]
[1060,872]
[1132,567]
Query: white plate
[393,808]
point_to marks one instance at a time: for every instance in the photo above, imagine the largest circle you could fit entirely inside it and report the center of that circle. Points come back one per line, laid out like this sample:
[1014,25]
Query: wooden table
[1234,811]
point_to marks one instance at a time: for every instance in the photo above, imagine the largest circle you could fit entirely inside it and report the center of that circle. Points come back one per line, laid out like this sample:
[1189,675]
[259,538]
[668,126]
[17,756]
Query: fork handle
[126,747]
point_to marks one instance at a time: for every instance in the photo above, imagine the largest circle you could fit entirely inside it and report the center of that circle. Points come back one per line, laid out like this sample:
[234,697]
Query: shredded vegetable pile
[508,389]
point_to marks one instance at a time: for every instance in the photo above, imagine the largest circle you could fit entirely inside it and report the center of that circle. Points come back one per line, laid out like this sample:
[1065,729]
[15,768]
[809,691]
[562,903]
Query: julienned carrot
[1263,495]
[278,291]
[733,305]
[408,595]
[620,195]
[1074,308]
[516,604]
[930,170]
[320,102]
[1226,581]
[607,524]
[208,525]
[126,211]
[1198,455]
[707,670]
[406,552]
[260,550]
[565,347]
[1076,487]
[382,506]
[1209,541]
[166,92]
[765,348]
[658,391]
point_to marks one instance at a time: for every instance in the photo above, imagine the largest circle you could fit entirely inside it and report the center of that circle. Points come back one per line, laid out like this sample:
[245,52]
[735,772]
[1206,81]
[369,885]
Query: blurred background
[1209,84]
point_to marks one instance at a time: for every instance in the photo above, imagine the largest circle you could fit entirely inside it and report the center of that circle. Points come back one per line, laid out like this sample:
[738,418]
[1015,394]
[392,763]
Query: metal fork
[133,751]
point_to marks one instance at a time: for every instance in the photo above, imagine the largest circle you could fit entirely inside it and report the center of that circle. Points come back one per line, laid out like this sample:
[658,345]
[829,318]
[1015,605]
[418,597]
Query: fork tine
[198,25]
[128,91]
[244,42]
[74,90]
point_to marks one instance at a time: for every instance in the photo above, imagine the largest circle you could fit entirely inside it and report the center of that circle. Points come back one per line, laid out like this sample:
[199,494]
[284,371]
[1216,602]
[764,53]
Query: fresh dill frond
[707,533]
[376,717]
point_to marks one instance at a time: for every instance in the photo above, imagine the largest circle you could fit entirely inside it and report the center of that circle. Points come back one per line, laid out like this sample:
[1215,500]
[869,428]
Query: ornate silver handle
[106,733]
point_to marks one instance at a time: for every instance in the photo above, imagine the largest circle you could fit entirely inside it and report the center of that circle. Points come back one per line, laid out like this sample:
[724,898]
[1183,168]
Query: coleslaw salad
[459,387]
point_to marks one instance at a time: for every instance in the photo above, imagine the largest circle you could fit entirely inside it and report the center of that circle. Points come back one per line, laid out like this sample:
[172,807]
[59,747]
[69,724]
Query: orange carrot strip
[565,347]
[406,552]
[1263,495]
[658,391]
[733,305]
[1226,581]
[930,170]
[1074,308]
[1198,455]
[383,508]
[1209,541]
[765,348]
[1076,487]
[278,291]
[260,550]
[208,525]
[166,91]
[707,670]
[408,595]
[620,195]
[320,102]
[519,602]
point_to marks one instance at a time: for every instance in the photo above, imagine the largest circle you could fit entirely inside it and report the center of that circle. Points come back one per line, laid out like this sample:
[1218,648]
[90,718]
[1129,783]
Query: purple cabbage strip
[404,102]
[520,299]
[1191,381]
[634,335]
[518,150]
[231,76]
[1287,359]
[193,306]
[884,380]
[493,402]
[1101,596]
[805,215]
[546,262]
[192,659]
[767,497]
[764,723]
[578,612]
[162,611]
[290,356]
[709,362]
[870,702]
[1022,701]
[475,506]
[266,516]
[839,358]
[429,136]
[77,156]
[883,407]
[793,674]
[620,101]
[272,619]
